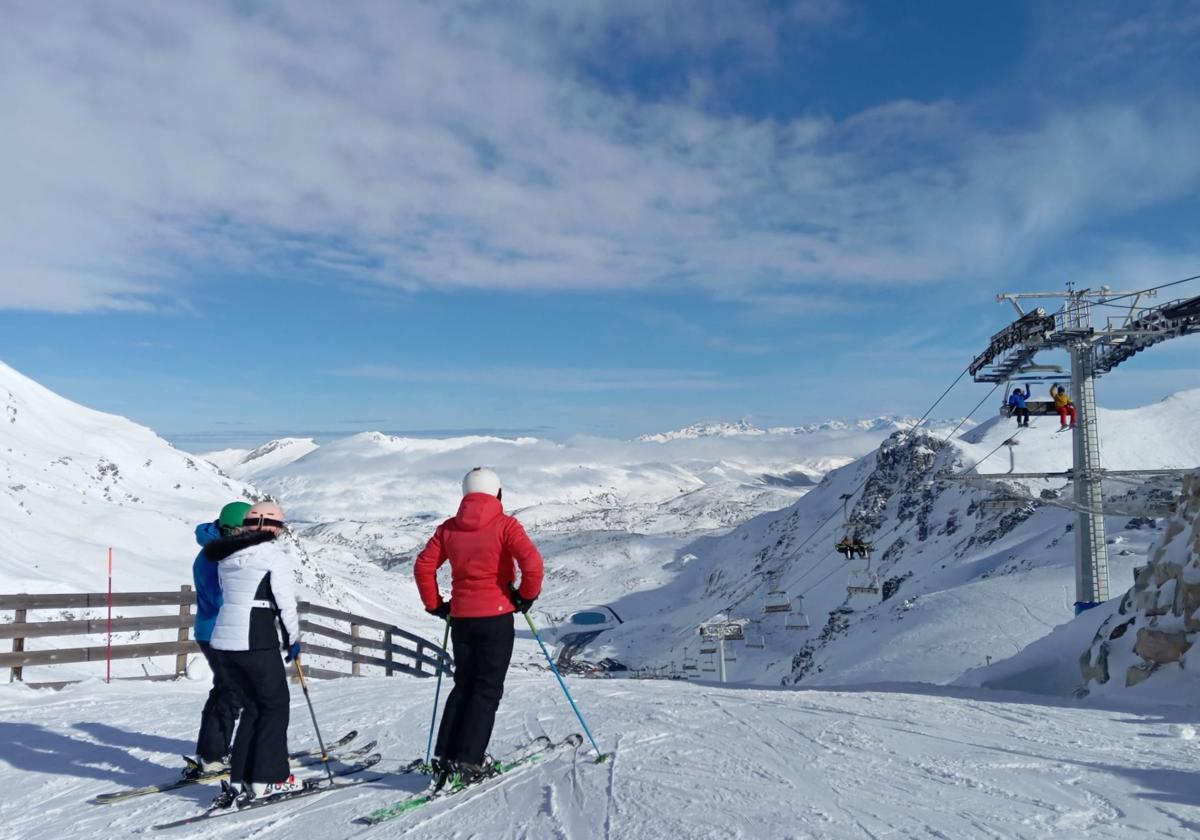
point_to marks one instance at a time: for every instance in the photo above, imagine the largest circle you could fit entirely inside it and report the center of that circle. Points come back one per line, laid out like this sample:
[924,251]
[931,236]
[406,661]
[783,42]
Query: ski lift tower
[718,630]
[1095,350]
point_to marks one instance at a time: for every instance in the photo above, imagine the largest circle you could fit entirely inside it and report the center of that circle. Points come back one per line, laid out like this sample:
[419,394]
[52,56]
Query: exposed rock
[1164,604]
[1159,647]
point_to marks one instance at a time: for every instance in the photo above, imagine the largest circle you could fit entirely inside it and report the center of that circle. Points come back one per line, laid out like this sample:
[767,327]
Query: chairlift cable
[1108,301]
[978,405]
[863,483]
[998,448]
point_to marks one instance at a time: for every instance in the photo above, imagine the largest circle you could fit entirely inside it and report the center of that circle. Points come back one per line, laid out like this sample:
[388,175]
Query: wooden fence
[382,645]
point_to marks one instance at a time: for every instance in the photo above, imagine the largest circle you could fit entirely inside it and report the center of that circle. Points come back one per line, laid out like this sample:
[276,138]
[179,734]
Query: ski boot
[227,797]
[466,773]
[262,790]
[196,767]
[441,772]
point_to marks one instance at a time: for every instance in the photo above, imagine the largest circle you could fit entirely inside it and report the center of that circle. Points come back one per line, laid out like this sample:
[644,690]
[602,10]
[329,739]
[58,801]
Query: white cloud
[520,379]
[423,145]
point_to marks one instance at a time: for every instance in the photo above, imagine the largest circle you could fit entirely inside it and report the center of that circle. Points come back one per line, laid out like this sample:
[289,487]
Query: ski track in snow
[688,761]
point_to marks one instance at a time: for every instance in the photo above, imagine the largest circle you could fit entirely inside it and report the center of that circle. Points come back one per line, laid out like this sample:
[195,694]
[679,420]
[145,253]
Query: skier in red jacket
[481,542]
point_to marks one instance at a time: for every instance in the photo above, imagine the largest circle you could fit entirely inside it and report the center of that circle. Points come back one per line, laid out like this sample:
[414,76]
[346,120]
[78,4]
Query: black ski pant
[482,650]
[1022,415]
[220,710]
[260,747]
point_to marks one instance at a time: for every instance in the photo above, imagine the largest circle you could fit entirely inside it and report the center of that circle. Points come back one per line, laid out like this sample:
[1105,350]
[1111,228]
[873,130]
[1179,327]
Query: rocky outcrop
[1158,619]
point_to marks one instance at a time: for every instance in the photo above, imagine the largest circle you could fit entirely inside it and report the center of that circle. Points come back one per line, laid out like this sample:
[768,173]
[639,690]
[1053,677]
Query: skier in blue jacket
[1017,407]
[223,704]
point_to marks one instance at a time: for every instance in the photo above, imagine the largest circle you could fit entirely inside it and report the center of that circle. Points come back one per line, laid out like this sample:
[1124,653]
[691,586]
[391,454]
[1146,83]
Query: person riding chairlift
[1017,407]
[851,546]
[1066,408]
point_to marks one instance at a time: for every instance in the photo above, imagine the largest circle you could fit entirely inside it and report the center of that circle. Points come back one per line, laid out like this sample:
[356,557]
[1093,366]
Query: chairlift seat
[777,601]
[796,621]
[1037,408]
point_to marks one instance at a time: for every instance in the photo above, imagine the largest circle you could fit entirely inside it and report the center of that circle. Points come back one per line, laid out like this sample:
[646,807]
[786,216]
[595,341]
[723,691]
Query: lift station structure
[1095,348]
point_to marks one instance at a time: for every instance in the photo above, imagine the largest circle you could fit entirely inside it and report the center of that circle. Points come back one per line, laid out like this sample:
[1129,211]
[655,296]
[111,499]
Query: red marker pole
[108,655]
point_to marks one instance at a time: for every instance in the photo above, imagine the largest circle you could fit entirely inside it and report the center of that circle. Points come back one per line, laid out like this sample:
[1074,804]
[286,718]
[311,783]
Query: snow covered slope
[689,761]
[964,583]
[1138,644]
[246,463]
[608,514]
[74,482]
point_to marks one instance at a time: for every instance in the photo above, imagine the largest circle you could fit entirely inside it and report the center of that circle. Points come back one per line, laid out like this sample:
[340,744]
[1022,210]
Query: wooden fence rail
[395,650]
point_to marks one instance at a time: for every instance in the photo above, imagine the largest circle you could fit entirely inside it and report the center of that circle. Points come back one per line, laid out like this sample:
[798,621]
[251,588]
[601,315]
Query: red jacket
[481,543]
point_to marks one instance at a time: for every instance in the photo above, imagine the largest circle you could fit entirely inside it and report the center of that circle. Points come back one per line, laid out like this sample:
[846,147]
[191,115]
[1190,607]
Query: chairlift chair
[755,640]
[863,582]
[1004,503]
[797,619]
[777,600]
[1037,408]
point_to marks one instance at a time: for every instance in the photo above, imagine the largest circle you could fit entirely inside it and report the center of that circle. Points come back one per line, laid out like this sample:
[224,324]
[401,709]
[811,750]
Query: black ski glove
[522,604]
[442,611]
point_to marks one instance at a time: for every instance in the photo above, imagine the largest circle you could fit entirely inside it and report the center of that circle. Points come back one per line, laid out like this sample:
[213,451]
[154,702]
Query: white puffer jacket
[256,583]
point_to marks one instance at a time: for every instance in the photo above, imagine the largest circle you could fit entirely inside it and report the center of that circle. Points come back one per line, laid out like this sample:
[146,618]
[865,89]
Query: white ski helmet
[481,480]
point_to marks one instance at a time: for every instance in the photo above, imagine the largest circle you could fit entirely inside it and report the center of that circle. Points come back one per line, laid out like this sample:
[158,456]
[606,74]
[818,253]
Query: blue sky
[230,220]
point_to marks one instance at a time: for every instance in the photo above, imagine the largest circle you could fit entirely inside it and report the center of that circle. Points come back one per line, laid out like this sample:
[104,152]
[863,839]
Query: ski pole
[317,729]
[437,692]
[600,757]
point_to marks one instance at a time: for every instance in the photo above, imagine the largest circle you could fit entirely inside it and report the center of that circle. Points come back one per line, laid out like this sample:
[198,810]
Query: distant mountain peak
[882,423]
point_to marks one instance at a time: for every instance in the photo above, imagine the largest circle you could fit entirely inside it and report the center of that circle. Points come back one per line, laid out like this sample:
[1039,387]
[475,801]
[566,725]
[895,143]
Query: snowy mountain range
[669,533]
[744,427]
[964,584]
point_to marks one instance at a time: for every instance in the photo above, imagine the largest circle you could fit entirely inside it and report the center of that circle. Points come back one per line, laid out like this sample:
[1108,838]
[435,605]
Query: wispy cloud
[450,145]
[520,379]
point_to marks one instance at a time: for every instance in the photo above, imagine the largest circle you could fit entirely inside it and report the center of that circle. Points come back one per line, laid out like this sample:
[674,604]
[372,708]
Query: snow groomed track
[690,761]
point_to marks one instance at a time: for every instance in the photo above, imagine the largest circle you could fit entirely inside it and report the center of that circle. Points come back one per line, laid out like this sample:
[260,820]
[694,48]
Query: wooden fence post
[18,646]
[354,666]
[185,610]
[387,637]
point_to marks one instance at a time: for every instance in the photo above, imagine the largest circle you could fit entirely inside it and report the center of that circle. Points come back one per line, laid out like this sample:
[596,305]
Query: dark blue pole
[438,692]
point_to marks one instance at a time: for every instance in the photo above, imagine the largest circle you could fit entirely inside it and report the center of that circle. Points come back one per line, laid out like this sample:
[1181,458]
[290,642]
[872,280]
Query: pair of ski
[312,787]
[300,758]
[531,753]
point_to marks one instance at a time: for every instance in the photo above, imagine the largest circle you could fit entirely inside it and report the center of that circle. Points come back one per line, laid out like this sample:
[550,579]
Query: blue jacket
[1018,397]
[208,585]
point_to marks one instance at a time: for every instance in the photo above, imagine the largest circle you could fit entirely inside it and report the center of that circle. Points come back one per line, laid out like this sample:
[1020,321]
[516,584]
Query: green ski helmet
[232,516]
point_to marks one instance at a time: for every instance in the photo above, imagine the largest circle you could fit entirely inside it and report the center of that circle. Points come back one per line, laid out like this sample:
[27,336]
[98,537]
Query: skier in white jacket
[255,570]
